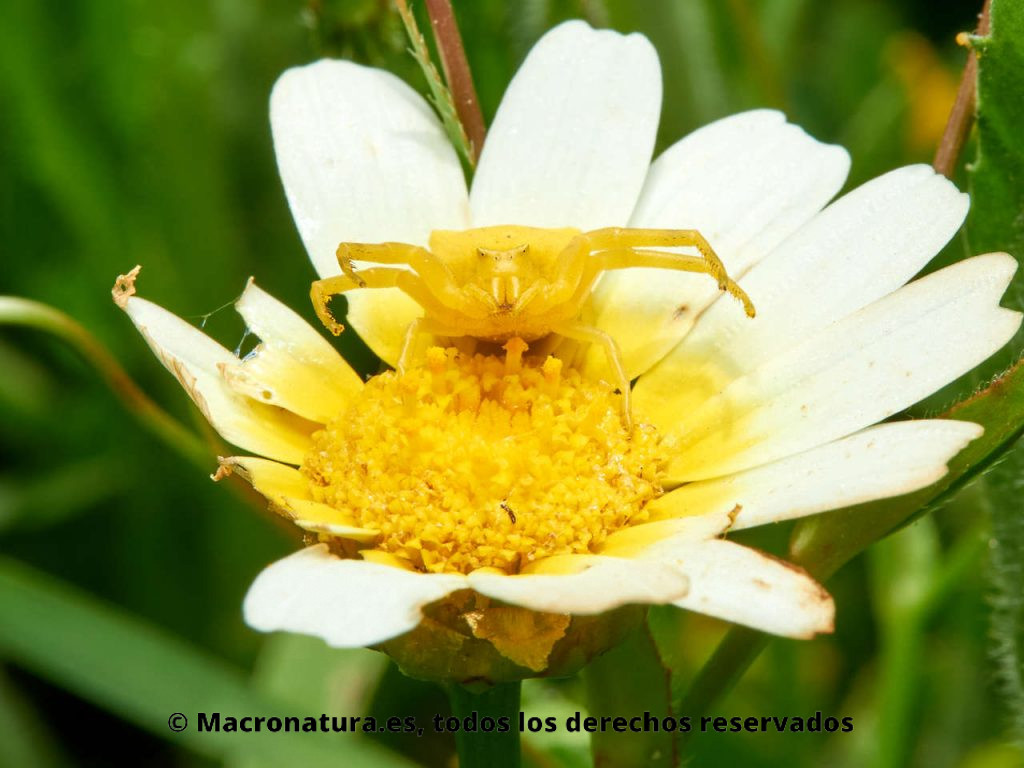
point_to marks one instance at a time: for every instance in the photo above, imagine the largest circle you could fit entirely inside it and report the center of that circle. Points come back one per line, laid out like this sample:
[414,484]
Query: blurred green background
[136,133]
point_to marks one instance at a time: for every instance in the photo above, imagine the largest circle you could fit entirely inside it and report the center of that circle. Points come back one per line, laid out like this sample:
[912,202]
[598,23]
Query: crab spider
[499,283]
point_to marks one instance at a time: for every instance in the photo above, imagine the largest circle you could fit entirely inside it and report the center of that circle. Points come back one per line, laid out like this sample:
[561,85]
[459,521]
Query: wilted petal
[197,361]
[294,366]
[744,586]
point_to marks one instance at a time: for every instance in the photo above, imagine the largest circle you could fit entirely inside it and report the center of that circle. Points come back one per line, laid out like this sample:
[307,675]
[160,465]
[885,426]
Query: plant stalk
[16,311]
[481,748]
[457,73]
[961,117]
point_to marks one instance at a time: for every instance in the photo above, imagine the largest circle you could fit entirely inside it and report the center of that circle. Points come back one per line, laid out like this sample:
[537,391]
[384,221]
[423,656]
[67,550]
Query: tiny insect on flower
[481,510]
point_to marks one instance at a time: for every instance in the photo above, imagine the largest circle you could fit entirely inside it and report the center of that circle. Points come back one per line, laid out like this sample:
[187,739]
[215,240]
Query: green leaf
[310,675]
[823,543]
[997,224]
[57,494]
[558,747]
[902,569]
[307,671]
[143,675]
[996,221]
[24,738]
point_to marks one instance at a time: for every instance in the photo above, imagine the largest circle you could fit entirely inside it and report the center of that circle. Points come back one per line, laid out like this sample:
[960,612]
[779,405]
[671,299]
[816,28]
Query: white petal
[196,361]
[859,249]
[573,136]
[745,182]
[743,586]
[883,461]
[348,603]
[855,373]
[596,584]
[363,160]
[294,367]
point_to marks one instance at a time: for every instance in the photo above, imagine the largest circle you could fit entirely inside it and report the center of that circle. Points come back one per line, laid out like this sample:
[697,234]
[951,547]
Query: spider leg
[477,293]
[426,264]
[534,295]
[640,257]
[435,273]
[409,283]
[415,329]
[418,327]
[585,333]
[620,248]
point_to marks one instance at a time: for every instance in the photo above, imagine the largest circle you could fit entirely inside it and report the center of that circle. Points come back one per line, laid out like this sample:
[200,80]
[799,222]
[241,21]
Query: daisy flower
[489,505]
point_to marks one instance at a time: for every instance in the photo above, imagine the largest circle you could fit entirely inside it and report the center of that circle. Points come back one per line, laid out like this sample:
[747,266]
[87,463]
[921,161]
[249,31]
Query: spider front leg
[618,248]
[378,277]
[434,272]
[585,333]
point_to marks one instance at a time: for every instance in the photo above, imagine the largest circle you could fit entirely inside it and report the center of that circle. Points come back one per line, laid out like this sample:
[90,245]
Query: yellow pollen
[483,461]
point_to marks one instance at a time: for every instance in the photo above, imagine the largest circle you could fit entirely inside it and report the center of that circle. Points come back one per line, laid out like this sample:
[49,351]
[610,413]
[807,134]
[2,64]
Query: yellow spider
[499,283]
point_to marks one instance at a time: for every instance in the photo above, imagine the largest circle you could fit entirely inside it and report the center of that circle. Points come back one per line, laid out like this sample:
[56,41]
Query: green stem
[457,73]
[26,313]
[480,748]
[440,94]
[900,675]
[726,666]
[961,118]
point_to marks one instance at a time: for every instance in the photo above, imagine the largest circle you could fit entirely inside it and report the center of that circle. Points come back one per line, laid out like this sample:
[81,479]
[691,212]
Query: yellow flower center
[471,462]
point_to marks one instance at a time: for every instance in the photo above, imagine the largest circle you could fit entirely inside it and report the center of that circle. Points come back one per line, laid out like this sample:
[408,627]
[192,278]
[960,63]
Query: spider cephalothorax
[505,282]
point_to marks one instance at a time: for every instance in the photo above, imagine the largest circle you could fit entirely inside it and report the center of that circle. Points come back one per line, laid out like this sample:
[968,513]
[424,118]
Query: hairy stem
[440,95]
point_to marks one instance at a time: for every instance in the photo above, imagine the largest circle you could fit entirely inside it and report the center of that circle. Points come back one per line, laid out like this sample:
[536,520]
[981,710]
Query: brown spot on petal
[816,594]
[187,381]
[733,514]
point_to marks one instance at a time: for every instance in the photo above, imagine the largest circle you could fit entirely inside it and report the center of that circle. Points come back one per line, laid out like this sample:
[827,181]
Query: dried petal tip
[124,286]
[224,470]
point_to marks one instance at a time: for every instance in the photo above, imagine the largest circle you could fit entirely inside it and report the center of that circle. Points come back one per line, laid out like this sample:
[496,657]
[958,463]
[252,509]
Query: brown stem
[961,117]
[456,72]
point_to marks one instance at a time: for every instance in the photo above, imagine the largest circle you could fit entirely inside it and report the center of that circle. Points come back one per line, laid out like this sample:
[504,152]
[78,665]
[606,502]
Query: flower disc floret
[481,461]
